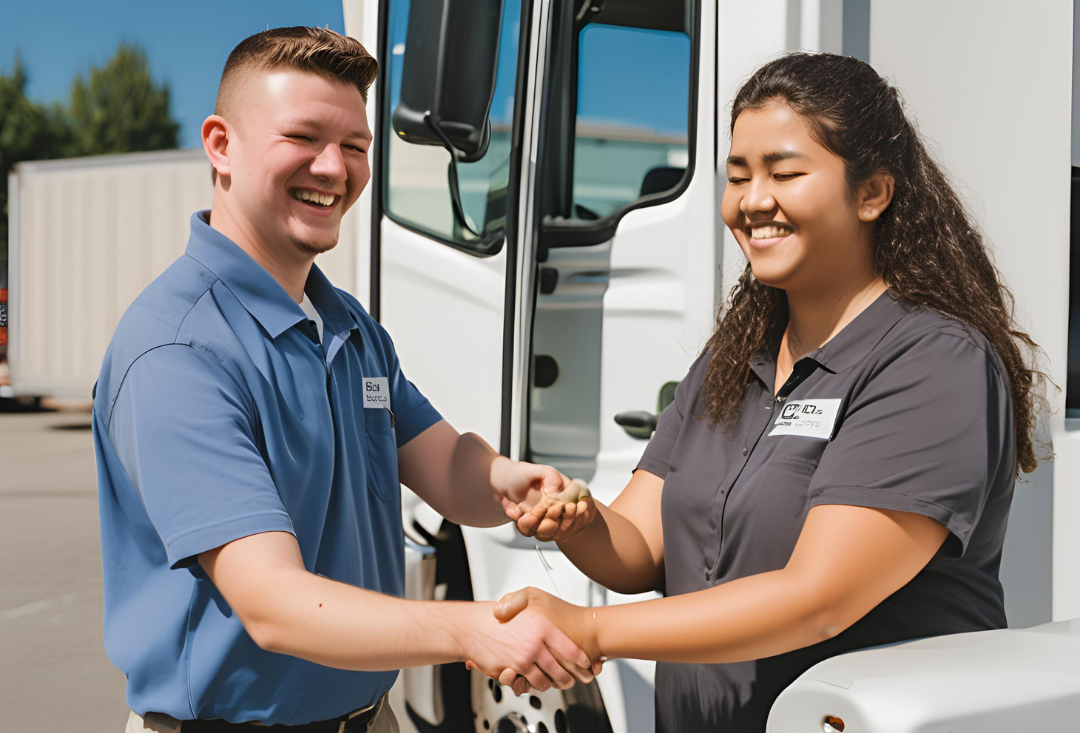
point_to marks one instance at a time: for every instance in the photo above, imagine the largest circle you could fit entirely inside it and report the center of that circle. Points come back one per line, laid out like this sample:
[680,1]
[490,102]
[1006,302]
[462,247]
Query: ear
[216,135]
[874,196]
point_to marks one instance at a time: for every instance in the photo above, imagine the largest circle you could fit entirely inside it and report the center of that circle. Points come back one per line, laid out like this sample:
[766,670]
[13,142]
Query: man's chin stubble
[312,249]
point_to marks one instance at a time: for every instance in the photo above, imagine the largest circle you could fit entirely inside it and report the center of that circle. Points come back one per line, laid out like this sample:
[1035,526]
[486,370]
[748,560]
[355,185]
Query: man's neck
[289,269]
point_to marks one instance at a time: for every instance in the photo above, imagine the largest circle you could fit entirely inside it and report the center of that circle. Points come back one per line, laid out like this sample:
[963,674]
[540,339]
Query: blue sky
[187,44]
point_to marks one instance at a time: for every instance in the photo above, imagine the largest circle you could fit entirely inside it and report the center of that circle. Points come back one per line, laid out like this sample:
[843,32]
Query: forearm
[338,625]
[452,473]
[612,552]
[471,479]
[749,618]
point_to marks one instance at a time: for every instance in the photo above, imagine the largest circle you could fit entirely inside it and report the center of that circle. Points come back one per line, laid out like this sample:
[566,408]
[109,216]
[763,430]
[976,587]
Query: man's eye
[304,138]
[354,149]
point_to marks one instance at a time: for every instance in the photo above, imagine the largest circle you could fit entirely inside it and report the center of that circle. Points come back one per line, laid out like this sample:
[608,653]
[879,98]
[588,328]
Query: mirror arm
[451,173]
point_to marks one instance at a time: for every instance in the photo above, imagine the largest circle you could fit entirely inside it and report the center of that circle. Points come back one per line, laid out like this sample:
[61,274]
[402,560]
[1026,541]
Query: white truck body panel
[962,75]
[984,682]
[87,236]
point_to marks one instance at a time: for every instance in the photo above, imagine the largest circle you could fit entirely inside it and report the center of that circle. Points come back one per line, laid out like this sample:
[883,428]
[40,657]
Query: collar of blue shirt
[256,289]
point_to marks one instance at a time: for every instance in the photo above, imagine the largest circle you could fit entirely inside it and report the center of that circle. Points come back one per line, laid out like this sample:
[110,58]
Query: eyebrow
[767,159]
[313,125]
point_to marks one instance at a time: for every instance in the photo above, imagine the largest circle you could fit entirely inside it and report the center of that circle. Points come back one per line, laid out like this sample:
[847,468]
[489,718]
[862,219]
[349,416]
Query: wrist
[461,619]
[501,474]
[588,624]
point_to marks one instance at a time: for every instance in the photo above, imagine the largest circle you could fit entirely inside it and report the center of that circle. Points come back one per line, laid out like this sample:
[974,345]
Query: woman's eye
[736,180]
[786,176]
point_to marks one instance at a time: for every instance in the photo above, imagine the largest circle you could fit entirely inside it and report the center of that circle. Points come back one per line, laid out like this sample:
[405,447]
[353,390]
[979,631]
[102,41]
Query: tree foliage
[118,108]
[28,131]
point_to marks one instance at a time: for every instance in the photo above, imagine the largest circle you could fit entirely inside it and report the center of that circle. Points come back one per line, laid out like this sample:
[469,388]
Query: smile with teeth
[769,232]
[312,197]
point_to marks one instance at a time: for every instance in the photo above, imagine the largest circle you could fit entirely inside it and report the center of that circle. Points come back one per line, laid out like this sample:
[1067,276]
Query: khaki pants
[384,722]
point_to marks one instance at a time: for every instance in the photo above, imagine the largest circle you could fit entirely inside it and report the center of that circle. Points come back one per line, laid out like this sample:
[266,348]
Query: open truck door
[449,243]
[544,252]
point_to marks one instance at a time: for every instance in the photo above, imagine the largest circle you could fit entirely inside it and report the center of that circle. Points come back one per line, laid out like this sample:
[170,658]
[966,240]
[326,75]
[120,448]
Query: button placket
[727,487]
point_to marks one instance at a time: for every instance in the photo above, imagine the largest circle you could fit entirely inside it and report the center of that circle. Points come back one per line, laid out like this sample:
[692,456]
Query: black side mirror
[448,81]
[448,75]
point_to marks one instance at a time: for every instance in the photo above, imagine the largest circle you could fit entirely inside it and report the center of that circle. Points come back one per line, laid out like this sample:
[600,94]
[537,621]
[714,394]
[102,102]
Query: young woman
[837,468]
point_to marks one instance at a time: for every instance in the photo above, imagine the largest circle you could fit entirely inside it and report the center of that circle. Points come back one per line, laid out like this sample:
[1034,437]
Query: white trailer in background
[547,300]
[86,236]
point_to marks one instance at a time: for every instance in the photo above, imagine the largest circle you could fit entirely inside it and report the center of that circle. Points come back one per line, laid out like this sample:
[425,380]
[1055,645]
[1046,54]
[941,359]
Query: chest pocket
[382,469]
[775,505]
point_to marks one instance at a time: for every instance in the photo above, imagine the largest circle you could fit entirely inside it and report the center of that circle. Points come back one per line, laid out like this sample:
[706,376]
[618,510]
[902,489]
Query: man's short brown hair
[315,50]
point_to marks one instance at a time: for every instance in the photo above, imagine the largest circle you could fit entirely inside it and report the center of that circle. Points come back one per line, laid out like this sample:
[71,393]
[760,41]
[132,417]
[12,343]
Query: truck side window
[417,189]
[632,116]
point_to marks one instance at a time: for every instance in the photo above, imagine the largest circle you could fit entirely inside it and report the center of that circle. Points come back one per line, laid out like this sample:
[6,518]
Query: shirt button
[744,451]
[768,407]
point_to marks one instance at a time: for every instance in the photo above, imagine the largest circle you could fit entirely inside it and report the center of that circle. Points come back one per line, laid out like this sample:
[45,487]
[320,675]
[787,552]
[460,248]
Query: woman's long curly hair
[927,249]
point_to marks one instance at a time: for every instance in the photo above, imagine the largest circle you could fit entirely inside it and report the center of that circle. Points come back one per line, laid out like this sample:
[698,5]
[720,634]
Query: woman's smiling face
[789,204]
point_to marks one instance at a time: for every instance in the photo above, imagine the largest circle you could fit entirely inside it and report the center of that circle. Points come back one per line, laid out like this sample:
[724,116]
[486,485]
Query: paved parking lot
[54,674]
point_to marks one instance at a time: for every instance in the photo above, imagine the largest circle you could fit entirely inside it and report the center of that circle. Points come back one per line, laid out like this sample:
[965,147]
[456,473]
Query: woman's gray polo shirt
[904,409]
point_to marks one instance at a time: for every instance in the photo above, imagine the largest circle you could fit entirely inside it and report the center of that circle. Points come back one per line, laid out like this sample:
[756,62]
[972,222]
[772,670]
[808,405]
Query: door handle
[637,423]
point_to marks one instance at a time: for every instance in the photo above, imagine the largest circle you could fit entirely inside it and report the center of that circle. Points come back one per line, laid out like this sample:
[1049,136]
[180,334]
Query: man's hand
[526,650]
[574,621]
[542,502]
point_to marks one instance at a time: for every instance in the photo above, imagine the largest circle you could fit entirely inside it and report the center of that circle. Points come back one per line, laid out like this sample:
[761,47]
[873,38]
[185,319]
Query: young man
[252,425]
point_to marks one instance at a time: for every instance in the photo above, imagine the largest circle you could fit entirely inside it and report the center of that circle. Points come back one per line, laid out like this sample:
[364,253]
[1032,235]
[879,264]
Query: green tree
[28,131]
[120,109]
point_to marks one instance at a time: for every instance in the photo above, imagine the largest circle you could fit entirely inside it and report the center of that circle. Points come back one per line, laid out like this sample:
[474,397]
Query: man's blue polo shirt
[218,415]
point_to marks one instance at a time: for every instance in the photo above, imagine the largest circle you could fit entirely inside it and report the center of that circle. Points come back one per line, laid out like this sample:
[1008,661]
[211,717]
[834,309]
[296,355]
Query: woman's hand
[541,501]
[574,621]
[529,643]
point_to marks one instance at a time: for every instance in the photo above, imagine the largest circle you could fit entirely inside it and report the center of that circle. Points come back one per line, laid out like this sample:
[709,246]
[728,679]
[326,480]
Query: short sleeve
[184,432]
[413,414]
[657,457]
[928,431]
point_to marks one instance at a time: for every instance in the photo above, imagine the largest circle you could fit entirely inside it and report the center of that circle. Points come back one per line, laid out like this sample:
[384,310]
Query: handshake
[530,639]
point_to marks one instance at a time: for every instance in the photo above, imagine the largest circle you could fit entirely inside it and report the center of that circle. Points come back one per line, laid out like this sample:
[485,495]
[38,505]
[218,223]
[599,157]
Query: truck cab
[542,239]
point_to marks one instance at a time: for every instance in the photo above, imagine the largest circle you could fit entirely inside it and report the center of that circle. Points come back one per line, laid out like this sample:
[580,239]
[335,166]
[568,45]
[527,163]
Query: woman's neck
[816,317]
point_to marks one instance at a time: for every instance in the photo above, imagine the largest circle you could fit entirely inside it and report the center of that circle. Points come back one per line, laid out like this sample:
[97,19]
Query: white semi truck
[565,271]
[542,239]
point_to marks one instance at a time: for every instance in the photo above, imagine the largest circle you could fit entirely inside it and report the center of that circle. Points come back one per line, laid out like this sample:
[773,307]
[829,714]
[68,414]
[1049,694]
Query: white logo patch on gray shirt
[808,418]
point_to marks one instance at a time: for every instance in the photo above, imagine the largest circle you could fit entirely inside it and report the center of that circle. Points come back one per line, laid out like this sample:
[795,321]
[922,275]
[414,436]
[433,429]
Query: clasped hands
[553,644]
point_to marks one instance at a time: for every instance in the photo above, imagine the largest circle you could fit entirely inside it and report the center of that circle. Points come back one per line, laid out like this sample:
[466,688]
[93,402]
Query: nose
[329,164]
[758,197]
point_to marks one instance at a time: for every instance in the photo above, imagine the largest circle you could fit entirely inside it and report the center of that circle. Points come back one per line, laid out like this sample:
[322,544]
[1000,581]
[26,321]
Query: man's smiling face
[297,159]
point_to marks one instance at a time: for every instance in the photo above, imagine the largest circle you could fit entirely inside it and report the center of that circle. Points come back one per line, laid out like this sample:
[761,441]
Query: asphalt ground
[54,674]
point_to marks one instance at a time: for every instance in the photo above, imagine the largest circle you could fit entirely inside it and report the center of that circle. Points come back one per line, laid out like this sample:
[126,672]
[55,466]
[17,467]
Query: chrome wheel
[497,710]
[577,710]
